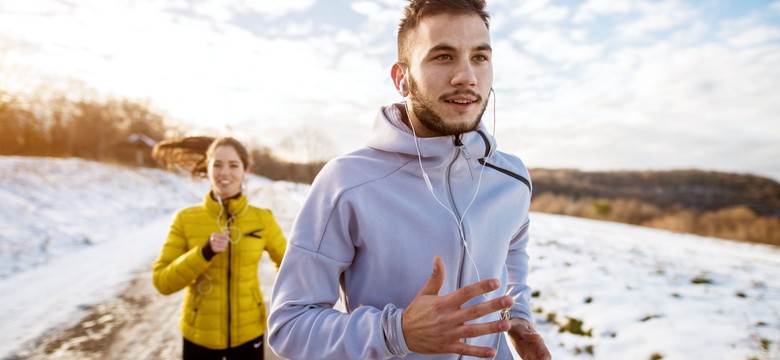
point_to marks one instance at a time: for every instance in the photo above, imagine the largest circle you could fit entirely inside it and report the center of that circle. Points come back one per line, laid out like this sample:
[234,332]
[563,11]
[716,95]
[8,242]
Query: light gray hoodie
[369,231]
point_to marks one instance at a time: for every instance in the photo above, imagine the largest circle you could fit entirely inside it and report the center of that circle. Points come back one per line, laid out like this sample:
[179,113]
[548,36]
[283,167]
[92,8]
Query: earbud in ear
[402,87]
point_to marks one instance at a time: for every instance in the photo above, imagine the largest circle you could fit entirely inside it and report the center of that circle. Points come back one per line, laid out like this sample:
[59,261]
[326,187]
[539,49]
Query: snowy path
[125,318]
[95,275]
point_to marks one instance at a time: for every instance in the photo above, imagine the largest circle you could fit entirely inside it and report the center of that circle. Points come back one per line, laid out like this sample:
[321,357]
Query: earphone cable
[458,221]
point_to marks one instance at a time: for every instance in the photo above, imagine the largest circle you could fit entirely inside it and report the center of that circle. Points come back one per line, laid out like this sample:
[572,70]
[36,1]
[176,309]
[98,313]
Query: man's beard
[423,109]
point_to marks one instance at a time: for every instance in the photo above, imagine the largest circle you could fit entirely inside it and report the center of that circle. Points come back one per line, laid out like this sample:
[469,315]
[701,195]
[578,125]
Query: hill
[734,206]
[691,189]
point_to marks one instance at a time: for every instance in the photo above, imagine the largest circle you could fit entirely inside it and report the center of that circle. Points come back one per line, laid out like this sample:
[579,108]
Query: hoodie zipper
[462,150]
[457,142]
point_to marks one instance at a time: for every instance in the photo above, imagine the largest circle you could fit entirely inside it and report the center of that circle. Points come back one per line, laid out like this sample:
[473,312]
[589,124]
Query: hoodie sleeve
[303,323]
[517,257]
[517,268]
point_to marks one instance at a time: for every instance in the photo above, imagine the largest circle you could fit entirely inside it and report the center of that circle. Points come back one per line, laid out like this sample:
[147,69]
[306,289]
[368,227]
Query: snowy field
[72,232]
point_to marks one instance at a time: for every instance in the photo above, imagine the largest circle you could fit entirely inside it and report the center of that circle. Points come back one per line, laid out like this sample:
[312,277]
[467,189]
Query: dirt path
[139,324]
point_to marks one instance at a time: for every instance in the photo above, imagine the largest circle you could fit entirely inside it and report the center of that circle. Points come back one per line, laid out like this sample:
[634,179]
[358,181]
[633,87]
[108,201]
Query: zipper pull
[467,154]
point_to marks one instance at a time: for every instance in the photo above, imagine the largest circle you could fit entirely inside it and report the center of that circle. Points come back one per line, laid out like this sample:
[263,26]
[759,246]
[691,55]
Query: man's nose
[464,75]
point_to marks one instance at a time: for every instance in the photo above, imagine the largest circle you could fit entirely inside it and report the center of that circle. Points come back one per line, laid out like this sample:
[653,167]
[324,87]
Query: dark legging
[249,350]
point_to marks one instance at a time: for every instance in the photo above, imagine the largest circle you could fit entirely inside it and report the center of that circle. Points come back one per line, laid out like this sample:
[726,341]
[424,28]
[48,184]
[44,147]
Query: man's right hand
[434,324]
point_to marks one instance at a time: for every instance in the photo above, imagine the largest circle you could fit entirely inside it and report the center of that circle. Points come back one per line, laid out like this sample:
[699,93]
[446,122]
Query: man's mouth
[462,97]
[460,101]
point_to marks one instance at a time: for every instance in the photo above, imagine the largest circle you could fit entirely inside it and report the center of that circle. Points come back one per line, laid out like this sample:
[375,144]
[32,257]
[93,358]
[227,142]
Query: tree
[311,147]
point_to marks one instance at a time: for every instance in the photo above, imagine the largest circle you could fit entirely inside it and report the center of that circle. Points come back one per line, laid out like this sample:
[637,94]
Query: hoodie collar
[391,134]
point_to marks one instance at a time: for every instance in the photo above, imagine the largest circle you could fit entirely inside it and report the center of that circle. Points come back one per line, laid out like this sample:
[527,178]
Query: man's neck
[404,116]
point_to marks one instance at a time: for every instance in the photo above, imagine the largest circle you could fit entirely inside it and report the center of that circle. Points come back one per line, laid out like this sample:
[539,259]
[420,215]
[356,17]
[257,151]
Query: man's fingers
[435,282]
[533,337]
[477,311]
[468,292]
[469,350]
[477,330]
[534,349]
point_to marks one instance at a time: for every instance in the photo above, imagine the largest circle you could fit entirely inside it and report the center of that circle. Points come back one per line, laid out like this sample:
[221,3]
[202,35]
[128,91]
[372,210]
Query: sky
[643,301]
[592,84]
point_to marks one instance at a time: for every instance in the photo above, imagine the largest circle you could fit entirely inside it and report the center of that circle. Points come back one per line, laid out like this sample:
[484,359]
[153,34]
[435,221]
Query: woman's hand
[219,242]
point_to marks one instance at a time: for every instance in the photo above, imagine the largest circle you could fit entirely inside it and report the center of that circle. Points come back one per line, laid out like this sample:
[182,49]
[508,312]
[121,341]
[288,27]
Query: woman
[213,250]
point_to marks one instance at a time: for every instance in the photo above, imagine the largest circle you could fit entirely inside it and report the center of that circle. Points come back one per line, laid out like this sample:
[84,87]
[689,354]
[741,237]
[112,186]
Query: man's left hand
[527,341]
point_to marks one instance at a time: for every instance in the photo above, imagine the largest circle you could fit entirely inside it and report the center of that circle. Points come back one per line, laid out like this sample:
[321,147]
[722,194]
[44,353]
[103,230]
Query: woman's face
[226,171]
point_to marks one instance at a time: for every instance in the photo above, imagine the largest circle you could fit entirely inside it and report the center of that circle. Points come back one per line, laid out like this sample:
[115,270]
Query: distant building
[142,146]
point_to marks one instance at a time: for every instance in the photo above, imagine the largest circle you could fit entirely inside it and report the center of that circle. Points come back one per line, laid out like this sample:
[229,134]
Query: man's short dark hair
[418,9]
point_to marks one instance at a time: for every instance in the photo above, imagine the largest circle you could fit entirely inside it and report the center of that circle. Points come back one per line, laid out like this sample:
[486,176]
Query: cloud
[541,11]
[222,11]
[756,36]
[205,71]
[702,94]
[380,25]
[593,9]
[41,7]
[749,31]
[555,45]
[634,20]
[602,85]
[276,9]
[654,17]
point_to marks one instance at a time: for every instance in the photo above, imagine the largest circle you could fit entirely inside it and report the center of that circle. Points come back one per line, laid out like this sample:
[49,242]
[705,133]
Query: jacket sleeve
[303,323]
[177,266]
[275,244]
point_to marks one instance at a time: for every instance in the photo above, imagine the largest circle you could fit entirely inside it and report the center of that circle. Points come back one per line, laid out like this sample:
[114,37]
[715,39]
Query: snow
[73,232]
[643,291]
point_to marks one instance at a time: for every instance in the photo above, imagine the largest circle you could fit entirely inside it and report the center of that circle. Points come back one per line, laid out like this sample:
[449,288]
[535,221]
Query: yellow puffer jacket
[223,306]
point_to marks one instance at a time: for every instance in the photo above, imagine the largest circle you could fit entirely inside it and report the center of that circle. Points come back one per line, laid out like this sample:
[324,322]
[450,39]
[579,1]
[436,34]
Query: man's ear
[398,74]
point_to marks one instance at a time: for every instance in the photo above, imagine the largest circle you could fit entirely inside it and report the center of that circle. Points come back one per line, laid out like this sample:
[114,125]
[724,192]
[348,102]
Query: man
[429,187]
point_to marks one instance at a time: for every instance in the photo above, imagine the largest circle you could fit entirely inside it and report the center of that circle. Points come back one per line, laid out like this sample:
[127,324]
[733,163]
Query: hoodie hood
[391,134]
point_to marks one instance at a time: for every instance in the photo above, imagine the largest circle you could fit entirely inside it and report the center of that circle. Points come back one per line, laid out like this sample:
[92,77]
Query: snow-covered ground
[72,232]
[641,292]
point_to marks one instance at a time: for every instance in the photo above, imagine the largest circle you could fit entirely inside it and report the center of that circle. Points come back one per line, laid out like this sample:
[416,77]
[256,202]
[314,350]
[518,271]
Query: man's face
[450,74]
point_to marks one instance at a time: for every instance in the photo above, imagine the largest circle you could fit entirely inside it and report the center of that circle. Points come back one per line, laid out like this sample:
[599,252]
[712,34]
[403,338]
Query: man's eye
[481,58]
[444,57]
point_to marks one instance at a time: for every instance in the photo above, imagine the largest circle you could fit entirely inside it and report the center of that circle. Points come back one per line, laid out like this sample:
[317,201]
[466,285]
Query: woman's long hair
[192,154]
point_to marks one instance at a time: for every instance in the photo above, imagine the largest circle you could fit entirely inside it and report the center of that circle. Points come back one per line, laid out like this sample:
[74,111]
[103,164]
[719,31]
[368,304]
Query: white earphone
[459,221]
[402,91]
